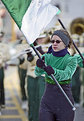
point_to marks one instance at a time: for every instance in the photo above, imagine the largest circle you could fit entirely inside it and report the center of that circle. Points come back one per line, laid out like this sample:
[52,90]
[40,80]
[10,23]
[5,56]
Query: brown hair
[47,40]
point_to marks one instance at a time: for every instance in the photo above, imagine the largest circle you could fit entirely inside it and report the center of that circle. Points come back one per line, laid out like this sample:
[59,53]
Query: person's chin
[55,48]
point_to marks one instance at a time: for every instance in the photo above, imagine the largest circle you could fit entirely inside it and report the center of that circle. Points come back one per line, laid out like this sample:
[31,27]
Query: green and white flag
[31,16]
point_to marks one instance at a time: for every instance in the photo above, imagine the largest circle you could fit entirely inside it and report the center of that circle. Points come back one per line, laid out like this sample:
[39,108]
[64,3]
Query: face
[57,43]
[41,40]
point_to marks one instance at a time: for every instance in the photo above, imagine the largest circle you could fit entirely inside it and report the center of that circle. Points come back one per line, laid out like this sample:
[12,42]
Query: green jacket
[64,67]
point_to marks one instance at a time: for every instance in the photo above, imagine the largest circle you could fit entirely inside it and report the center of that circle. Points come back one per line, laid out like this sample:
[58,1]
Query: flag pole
[72,41]
[73,108]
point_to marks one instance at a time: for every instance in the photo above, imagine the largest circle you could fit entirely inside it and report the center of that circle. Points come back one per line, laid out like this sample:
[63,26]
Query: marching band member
[35,84]
[62,65]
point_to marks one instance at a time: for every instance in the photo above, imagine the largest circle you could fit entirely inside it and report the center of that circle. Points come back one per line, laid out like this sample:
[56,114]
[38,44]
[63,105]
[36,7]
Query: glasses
[57,41]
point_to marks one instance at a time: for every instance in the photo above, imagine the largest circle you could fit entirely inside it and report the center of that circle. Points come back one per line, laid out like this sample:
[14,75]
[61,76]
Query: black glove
[40,50]
[22,59]
[49,70]
[30,56]
[40,63]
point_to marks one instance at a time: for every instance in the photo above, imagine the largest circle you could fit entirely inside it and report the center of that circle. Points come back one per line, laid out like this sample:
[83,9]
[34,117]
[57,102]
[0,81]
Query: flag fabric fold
[31,16]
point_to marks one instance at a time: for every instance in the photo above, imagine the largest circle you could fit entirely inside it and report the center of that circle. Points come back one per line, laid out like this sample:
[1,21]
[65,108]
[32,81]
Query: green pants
[76,84]
[2,92]
[35,89]
[22,76]
[83,85]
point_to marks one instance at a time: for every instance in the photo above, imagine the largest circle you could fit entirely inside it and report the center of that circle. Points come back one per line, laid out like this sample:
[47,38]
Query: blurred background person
[76,79]
[22,71]
[2,90]
[4,56]
[35,84]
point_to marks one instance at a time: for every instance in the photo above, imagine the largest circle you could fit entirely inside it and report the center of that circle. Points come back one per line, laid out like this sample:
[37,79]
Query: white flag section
[39,14]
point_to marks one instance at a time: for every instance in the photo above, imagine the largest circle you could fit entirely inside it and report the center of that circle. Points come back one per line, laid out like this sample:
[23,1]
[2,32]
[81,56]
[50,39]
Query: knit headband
[62,36]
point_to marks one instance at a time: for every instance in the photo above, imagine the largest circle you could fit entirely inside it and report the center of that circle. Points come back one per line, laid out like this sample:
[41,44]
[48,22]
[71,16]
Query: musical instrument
[77,26]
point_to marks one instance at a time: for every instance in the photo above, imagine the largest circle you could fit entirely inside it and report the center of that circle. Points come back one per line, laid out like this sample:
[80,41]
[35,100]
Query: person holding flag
[54,106]
[29,16]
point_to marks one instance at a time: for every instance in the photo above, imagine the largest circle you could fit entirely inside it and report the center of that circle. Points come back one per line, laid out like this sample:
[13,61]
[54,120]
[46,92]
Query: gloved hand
[40,50]
[30,56]
[22,59]
[49,70]
[40,63]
